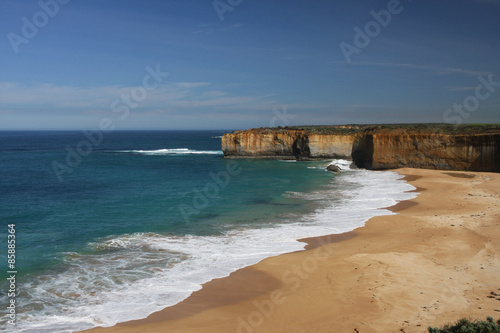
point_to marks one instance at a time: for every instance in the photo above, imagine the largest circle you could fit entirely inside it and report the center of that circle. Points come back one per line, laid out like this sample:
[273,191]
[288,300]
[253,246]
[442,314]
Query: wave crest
[173,151]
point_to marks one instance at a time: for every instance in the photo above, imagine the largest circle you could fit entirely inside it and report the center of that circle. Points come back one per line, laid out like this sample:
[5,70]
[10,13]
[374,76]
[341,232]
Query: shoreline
[394,273]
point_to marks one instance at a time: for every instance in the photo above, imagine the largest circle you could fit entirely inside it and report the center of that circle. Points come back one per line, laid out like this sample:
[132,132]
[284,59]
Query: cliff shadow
[362,152]
[489,153]
[300,147]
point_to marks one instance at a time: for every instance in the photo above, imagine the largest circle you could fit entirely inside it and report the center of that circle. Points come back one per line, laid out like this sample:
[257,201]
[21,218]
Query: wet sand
[434,262]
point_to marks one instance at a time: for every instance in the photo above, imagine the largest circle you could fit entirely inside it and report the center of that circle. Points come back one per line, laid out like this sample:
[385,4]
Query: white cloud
[436,69]
[53,106]
[189,85]
[461,88]
[214,93]
[177,94]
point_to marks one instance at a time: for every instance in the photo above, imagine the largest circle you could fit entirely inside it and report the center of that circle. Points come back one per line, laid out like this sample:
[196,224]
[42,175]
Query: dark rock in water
[353,166]
[333,168]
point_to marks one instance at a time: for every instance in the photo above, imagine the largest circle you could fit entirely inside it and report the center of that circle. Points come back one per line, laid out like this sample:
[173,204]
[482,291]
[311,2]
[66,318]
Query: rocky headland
[376,147]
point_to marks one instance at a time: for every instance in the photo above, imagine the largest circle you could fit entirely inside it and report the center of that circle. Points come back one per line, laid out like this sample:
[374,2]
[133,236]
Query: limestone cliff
[286,144]
[446,147]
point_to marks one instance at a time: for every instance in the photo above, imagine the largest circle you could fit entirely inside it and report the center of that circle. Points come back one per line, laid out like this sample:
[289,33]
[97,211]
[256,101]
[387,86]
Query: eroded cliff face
[372,148]
[286,144]
[330,145]
[269,144]
[437,151]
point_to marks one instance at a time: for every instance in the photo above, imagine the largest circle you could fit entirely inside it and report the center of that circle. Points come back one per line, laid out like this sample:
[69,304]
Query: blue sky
[266,63]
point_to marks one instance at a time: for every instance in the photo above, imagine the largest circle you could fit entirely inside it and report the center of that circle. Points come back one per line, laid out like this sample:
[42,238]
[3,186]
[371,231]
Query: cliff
[377,147]
[286,144]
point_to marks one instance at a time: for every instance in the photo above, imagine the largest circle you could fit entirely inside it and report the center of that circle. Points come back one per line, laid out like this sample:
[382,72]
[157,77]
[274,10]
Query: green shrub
[467,326]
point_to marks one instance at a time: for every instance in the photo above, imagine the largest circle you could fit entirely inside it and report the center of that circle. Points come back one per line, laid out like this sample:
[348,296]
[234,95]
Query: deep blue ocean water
[153,215]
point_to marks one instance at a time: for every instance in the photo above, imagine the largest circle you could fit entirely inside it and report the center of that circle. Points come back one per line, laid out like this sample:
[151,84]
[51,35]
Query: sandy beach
[435,261]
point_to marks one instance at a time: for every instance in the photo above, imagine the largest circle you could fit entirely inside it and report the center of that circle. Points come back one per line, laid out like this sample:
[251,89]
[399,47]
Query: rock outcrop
[378,147]
[333,168]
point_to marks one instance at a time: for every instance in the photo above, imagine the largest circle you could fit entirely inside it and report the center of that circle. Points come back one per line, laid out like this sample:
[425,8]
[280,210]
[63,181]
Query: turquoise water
[154,215]
[117,190]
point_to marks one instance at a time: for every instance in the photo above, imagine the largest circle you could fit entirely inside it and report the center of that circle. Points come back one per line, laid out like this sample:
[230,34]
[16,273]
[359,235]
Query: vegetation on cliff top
[462,129]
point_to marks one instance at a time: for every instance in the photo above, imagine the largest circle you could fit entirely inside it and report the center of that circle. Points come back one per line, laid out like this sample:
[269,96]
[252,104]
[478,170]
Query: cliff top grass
[452,129]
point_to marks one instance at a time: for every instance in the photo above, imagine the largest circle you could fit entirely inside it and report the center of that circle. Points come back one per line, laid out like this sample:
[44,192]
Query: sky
[235,64]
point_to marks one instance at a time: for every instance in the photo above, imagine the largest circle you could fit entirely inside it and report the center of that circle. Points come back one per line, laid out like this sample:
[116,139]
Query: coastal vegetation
[468,326]
[437,128]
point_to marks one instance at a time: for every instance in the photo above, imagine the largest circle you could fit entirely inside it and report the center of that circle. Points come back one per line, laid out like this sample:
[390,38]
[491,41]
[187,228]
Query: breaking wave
[173,151]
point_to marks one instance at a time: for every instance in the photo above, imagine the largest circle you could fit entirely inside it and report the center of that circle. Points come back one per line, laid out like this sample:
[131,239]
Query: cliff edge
[376,147]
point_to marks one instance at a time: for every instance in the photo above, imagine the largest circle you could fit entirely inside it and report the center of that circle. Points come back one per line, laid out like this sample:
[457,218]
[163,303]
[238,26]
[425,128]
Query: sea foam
[173,151]
[130,276]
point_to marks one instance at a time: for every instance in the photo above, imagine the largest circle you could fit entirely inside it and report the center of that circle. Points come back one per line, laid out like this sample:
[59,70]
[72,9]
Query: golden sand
[434,262]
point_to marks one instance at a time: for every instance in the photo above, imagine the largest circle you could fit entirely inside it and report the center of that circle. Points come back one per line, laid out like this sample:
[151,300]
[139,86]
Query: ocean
[112,228]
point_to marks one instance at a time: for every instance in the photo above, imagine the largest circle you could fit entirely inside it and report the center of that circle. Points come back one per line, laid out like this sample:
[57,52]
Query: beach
[434,262]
